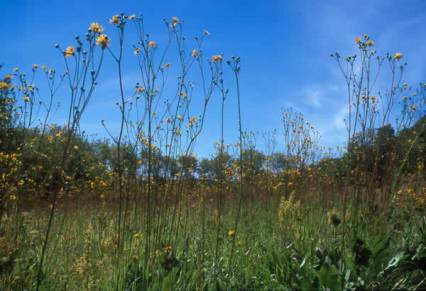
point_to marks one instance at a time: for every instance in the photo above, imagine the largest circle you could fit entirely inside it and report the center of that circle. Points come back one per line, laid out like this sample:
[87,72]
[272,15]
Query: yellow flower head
[217,58]
[4,85]
[231,232]
[140,89]
[357,39]
[69,52]
[115,19]
[195,53]
[103,40]
[26,98]
[35,66]
[152,44]
[370,42]
[397,56]
[168,249]
[96,27]
[175,21]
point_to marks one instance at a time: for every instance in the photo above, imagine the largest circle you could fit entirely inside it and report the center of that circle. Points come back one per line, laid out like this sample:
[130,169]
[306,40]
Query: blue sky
[285,49]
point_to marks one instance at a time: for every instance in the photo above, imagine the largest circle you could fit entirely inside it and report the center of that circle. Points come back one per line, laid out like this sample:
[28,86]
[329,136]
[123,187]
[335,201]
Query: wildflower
[12,197]
[4,85]
[231,232]
[132,17]
[80,265]
[152,44]
[140,89]
[76,147]
[397,56]
[192,121]
[103,41]
[358,39]
[370,42]
[26,99]
[195,53]
[175,21]
[96,27]
[115,19]
[217,58]
[69,52]
[168,249]
[206,32]
[35,66]
[137,51]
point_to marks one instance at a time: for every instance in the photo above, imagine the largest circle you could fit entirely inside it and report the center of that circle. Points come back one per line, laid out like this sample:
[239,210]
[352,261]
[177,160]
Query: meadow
[139,210]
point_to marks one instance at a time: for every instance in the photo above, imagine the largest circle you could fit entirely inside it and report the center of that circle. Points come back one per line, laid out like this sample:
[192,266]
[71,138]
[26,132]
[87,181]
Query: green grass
[303,252]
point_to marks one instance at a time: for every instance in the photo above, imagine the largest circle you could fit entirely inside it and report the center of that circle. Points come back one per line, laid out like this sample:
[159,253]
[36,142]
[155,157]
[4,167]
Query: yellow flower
[370,42]
[397,56]
[96,27]
[175,21]
[140,89]
[231,232]
[192,121]
[168,249]
[69,52]
[12,197]
[217,58]
[195,53]
[35,66]
[152,44]
[357,39]
[115,19]
[4,85]
[103,40]
[26,98]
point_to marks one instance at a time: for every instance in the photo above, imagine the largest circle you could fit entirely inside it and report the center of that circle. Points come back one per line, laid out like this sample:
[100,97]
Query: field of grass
[303,251]
[140,211]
